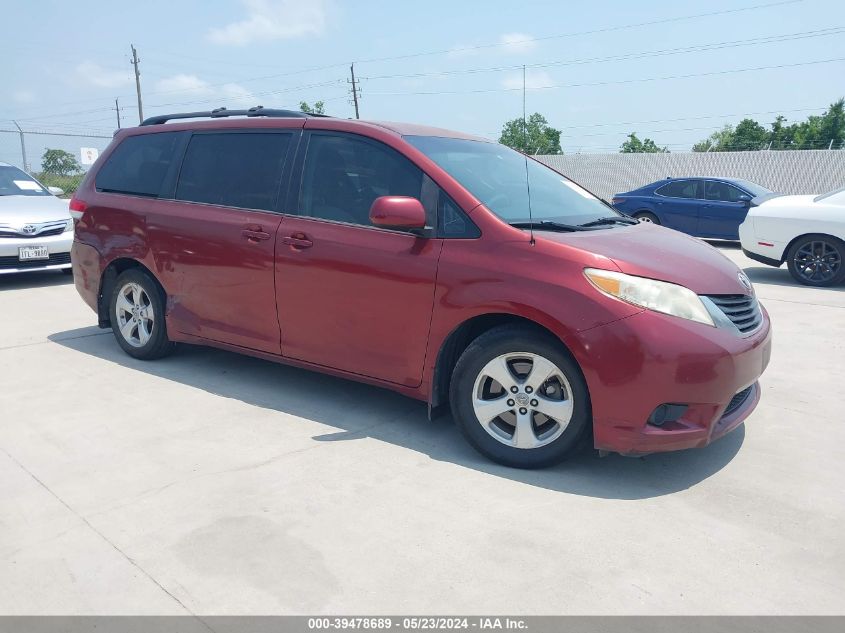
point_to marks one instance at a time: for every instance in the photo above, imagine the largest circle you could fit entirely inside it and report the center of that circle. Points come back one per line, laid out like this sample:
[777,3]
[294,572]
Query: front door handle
[297,241]
[255,236]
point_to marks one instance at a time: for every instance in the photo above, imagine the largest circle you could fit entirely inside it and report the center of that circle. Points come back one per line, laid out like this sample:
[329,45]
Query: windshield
[837,196]
[753,188]
[496,175]
[14,182]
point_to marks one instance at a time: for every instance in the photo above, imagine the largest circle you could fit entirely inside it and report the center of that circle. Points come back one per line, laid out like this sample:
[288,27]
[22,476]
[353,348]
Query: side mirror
[744,200]
[397,212]
[56,191]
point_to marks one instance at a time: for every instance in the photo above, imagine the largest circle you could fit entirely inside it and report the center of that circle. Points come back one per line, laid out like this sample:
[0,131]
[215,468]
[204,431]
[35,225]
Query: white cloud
[534,79]
[182,86]
[23,96]
[268,20]
[517,43]
[103,77]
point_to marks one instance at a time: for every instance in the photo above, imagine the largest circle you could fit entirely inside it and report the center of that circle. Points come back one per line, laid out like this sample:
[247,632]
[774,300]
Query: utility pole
[354,90]
[23,147]
[134,62]
[117,111]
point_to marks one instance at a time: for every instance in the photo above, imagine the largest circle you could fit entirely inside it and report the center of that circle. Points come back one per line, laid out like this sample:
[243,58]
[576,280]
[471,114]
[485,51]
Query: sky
[671,71]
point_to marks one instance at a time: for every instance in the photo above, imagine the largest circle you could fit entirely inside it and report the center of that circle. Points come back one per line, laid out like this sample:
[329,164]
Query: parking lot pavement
[213,483]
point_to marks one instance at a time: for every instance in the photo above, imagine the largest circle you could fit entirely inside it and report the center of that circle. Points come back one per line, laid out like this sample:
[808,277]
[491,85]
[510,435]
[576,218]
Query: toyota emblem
[29,229]
[745,281]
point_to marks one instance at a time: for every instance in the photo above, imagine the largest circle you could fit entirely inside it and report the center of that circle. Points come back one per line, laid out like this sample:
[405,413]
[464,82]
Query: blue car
[704,207]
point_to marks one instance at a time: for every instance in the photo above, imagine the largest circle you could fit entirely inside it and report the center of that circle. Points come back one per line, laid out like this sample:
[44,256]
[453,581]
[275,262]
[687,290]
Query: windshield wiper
[613,219]
[547,225]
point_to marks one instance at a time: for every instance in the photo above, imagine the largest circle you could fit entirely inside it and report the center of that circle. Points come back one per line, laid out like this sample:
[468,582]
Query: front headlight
[69,225]
[659,296]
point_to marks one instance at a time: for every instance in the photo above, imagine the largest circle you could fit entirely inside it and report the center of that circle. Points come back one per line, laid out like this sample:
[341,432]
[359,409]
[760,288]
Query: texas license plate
[26,253]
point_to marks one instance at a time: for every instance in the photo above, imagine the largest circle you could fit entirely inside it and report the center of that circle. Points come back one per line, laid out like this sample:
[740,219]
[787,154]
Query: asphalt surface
[211,483]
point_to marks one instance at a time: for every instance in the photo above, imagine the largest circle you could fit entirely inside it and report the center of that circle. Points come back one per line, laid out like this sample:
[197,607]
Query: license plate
[26,253]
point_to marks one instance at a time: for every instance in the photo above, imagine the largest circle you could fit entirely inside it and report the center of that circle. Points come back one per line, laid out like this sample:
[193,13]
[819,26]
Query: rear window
[234,169]
[139,165]
[681,189]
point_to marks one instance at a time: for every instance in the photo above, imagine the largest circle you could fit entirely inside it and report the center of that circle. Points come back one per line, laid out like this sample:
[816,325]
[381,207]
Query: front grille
[742,310]
[55,259]
[56,231]
[737,401]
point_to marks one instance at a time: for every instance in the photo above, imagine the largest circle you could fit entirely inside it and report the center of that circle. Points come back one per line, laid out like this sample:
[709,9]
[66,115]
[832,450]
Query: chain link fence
[26,148]
[784,171]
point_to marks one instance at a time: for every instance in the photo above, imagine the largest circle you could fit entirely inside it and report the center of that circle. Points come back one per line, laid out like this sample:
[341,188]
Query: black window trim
[695,180]
[291,205]
[283,179]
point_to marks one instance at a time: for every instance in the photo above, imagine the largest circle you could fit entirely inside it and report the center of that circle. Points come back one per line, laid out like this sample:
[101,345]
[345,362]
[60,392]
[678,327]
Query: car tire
[817,260]
[518,433]
[136,311]
[646,217]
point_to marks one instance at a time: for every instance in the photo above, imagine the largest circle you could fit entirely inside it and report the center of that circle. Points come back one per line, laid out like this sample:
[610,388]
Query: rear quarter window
[139,165]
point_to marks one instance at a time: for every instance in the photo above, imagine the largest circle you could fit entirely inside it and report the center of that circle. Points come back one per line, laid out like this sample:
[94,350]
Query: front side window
[139,165]
[512,186]
[15,182]
[234,169]
[681,189]
[722,191]
[343,175]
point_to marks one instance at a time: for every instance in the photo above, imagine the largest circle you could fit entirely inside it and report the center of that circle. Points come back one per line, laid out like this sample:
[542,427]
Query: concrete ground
[212,483]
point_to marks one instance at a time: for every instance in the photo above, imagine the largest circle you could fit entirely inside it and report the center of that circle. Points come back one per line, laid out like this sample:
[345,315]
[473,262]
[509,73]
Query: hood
[786,201]
[649,250]
[16,211]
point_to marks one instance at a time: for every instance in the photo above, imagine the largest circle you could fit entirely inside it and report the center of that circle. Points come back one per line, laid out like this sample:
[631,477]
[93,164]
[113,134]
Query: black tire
[462,391]
[646,216]
[828,270]
[157,344]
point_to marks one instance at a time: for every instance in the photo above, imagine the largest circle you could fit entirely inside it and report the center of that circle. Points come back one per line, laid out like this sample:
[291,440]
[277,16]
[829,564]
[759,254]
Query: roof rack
[220,113]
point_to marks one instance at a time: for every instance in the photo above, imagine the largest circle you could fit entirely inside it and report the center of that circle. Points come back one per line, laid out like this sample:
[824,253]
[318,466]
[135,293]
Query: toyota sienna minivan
[446,267]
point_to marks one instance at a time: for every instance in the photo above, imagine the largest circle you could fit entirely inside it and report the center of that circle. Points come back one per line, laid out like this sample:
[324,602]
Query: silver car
[36,229]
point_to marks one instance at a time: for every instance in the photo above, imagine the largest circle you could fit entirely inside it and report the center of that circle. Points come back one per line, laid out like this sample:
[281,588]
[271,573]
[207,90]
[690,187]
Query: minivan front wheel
[519,398]
[137,316]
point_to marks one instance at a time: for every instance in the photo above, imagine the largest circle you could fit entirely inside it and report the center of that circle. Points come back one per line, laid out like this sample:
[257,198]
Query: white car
[806,232]
[36,228]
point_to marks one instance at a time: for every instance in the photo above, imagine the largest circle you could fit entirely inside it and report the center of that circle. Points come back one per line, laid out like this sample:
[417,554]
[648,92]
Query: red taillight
[77,208]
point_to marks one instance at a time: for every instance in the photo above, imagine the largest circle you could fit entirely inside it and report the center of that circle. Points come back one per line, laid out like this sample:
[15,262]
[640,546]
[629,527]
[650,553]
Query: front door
[352,296]
[678,204]
[723,210]
[217,239]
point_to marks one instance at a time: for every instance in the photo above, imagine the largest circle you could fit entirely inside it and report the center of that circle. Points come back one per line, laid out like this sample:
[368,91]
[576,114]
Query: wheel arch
[460,338]
[107,279]
[792,242]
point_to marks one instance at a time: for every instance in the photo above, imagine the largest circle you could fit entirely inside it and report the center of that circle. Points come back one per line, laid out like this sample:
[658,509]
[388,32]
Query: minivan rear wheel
[519,398]
[136,311]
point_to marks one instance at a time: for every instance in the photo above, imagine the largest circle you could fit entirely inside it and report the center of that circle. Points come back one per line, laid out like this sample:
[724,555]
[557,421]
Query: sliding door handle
[255,236]
[297,241]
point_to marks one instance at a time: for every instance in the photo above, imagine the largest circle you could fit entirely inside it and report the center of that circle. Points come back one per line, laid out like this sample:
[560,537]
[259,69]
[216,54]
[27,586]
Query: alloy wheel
[522,400]
[818,261]
[135,314]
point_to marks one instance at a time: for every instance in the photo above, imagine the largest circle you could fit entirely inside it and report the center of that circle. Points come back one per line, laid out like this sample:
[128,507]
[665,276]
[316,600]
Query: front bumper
[58,247]
[635,364]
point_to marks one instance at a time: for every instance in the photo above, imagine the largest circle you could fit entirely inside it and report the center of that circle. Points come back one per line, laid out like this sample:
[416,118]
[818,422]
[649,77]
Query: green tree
[716,141]
[749,135]
[58,162]
[536,136]
[636,146]
[317,108]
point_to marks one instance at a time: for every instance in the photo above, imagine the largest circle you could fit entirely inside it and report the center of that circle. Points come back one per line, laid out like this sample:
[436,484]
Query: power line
[770,39]
[616,82]
[608,29]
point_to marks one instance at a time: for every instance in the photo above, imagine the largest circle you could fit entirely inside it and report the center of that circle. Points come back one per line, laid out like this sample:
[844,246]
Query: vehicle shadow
[41,279]
[359,411]
[780,277]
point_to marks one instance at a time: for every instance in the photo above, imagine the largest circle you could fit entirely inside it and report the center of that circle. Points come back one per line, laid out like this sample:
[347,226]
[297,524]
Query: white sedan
[36,230]
[806,232]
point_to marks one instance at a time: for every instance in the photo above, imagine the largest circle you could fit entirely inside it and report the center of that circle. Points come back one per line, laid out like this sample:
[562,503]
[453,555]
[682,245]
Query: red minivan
[445,267]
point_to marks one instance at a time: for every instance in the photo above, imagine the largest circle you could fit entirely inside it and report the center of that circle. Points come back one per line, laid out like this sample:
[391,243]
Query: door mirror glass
[397,212]
[743,199]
